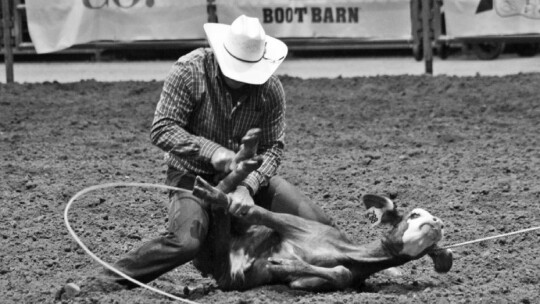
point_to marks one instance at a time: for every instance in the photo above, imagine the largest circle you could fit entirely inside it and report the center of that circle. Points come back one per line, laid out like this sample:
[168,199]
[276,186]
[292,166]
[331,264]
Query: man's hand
[241,201]
[222,159]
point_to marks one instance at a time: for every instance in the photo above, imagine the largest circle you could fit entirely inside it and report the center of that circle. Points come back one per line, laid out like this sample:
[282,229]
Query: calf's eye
[414,215]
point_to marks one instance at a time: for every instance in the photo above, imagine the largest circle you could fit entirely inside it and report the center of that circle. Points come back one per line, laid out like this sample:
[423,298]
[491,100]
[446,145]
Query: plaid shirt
[195,116]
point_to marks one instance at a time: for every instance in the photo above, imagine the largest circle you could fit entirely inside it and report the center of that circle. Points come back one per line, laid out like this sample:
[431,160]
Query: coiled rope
[96,258]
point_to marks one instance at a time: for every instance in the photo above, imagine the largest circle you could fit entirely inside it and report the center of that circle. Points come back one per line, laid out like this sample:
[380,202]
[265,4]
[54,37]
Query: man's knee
[187,217]
[183,245]
[286,198]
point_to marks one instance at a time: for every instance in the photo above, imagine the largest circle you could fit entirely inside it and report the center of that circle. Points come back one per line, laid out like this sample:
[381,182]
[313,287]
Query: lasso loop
[105,264]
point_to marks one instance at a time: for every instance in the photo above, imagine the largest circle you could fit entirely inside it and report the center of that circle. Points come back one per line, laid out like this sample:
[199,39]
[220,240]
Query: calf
[264,247]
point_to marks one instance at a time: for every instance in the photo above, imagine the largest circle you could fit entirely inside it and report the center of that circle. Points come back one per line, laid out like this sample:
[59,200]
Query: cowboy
[210,99]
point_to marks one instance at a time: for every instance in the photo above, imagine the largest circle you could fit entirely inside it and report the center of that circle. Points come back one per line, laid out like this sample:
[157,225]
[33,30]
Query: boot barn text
[311,14]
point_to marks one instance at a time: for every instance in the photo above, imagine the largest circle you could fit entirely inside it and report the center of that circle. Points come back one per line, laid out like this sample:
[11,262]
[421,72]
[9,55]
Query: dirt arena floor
[466,149]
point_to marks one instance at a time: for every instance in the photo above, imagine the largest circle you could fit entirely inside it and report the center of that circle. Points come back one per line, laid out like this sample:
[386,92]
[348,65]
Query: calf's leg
[216,250]
[244,162]
[310,277]
[250,143]
[285,224]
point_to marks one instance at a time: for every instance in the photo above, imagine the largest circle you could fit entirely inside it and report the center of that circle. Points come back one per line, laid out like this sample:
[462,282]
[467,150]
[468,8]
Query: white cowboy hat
[243,51]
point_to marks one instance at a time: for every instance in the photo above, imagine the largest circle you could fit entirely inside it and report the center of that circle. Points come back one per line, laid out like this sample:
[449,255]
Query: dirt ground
[466,149]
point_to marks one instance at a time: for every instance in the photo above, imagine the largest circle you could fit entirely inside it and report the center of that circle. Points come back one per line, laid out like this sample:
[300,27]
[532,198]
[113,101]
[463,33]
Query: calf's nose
[437,221]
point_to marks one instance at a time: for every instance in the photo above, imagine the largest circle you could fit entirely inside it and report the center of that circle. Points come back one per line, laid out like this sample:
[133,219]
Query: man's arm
[173,110]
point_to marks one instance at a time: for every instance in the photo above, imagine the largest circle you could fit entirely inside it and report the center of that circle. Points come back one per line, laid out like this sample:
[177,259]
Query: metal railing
[7,43]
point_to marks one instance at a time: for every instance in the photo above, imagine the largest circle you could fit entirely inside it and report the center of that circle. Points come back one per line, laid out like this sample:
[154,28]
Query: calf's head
[413,235]
[417,231]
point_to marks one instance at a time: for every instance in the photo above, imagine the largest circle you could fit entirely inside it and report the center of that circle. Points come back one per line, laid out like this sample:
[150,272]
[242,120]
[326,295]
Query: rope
[491,237]
[105,264]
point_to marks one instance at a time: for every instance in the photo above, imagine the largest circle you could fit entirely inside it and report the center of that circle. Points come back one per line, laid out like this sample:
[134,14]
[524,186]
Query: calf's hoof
[442,260]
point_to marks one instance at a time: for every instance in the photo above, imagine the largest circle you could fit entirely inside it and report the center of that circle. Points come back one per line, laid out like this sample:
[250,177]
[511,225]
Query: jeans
[188,227]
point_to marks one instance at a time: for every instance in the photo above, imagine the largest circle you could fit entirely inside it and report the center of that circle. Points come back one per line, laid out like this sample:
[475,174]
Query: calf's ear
[380,210]
[442,259]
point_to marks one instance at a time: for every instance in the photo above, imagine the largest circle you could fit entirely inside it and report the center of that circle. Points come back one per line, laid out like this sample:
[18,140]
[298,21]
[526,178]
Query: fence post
[8,51]
[211,11]
[426,36]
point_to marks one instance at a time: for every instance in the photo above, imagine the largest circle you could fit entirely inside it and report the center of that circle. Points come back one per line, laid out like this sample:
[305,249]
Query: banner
[369,19]
[470,18]
[59,24]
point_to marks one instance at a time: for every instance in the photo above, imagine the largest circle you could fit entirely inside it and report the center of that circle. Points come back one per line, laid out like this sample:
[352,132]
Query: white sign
[59,24]
[369,19]
[470,18]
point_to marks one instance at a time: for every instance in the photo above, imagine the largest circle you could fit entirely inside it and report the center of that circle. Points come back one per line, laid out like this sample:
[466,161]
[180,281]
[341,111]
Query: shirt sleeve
[173,110]
[272,138]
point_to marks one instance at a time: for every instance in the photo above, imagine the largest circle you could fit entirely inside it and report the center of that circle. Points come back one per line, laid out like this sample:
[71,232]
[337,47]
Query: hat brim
[253,73]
